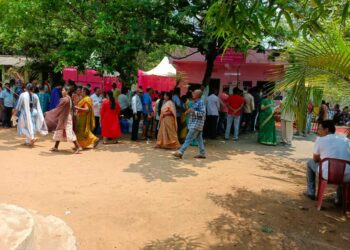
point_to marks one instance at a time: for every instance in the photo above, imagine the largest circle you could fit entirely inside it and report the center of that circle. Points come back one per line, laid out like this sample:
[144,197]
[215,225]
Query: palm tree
[317,63]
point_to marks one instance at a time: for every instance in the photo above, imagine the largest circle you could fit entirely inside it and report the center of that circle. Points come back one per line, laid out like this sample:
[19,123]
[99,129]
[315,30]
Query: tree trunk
[210,59]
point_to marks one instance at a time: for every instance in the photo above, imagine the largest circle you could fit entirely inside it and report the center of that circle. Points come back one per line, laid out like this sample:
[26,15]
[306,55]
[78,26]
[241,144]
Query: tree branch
[183,57]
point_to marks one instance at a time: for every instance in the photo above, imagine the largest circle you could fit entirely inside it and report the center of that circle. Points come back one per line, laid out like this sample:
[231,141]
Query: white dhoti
[287,131]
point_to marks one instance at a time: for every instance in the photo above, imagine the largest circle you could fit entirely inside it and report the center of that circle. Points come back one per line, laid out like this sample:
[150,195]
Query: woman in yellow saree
[85,121]
[167,134]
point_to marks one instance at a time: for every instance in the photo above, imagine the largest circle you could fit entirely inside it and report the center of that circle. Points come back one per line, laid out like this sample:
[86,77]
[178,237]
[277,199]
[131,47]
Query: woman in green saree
[267,130]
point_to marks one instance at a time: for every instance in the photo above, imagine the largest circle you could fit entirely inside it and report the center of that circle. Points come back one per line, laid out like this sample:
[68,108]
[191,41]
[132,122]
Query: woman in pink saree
[167,134]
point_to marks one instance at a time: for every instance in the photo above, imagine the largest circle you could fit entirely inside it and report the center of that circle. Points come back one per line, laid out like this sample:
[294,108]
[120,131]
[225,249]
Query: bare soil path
[132,196]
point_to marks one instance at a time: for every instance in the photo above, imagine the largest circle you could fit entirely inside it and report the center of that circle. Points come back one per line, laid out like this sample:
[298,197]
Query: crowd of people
[83,116]
[75,115]
[340,117]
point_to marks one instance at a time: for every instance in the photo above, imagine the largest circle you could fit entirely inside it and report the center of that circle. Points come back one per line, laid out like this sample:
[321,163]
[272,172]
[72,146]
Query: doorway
[214,85]
[265,85]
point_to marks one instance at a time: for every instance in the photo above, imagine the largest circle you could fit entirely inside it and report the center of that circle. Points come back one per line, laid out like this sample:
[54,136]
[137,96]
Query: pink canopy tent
[91,76]
[161,78]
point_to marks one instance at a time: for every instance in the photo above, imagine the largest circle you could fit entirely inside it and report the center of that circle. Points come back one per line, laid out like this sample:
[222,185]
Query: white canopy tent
[164,68]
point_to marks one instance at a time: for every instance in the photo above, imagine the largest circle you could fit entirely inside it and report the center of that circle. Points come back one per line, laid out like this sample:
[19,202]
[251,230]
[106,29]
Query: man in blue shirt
[178,105]
[8,103]
[56,95]
[147,111]
[195,126]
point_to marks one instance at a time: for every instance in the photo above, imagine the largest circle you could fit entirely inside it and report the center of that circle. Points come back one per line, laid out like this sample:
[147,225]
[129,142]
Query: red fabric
[110,120]
[91,76]
[310,107]
[336,170]
[235,101]
[159,83]
[223,97]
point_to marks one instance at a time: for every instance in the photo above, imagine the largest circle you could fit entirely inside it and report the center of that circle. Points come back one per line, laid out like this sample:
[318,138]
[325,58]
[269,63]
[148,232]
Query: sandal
[54,149]
[96,143]
[200,157]
[33,141]
[78,150]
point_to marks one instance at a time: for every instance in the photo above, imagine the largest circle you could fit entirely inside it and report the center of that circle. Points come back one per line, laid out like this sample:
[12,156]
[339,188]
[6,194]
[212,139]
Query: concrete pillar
[40,77]
[26,75]
[2,67]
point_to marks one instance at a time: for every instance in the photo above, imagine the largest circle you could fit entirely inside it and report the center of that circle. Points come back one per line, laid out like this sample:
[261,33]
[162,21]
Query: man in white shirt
[327,145]
[248,109]
[97,103]
[213,107]
[137,110]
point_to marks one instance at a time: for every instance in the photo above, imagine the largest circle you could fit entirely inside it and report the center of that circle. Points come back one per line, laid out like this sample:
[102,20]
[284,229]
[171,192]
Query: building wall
[193,73]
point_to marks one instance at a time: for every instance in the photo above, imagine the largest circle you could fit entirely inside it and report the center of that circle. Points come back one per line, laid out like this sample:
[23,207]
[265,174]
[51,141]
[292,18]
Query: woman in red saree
[110,111]
[167,134]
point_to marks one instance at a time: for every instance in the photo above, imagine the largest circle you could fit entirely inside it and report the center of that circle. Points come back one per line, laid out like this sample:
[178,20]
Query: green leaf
[289,20]
[345,12]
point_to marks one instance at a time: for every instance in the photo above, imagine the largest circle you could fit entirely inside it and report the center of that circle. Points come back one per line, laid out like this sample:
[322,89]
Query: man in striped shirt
[195,126]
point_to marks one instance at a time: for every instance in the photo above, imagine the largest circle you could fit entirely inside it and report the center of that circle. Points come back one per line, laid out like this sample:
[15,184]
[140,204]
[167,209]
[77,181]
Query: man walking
[234,104]
[137,109]
[213,107]
[97,103]
[195,126]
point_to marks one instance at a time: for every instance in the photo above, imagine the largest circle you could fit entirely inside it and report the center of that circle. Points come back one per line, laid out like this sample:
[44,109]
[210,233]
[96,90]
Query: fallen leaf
[323,230]
[303,208]
[266,229]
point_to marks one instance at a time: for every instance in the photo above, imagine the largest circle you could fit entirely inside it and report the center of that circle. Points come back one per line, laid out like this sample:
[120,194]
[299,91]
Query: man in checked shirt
[195,126]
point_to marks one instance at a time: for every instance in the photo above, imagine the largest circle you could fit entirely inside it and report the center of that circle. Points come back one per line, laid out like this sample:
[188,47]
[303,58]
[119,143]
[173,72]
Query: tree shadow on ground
[12,141]
[248,142]
[271,220]
[265,220]
[159,164]
[175,242]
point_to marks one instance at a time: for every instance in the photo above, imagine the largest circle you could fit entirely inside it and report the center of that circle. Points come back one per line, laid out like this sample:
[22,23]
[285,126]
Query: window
[247,84]
[194,86]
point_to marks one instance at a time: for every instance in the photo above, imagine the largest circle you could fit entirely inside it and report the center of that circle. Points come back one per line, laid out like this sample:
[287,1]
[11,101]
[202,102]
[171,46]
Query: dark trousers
[7,117]
[212,121]
[178,120]
[147,124]
[127,113]
[222,123]
[156,128]
[97,130]
[135,126]
[246,121]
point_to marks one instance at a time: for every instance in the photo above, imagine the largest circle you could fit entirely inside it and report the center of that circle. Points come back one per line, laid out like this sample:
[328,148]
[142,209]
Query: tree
[321,63]
[189,27]
[66,33]
[281,21]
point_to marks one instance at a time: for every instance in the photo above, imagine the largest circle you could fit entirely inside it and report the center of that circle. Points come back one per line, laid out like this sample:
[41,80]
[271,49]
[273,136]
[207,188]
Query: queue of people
[77,116]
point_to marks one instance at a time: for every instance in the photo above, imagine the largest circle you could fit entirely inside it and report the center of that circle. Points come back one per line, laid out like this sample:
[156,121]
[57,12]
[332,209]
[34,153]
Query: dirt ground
[132,196]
